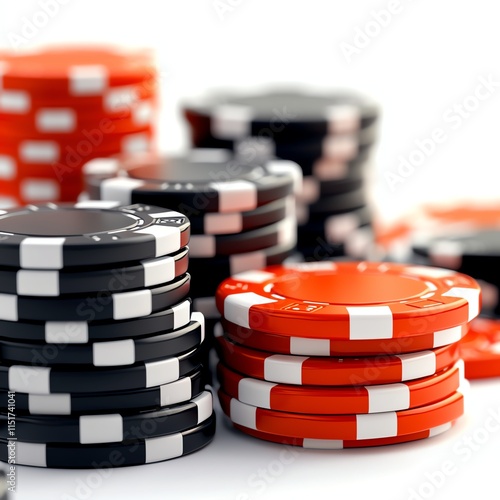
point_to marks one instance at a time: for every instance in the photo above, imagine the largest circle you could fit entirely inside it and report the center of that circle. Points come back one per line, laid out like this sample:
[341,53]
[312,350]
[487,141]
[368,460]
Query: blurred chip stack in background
[60,107]
[331,136]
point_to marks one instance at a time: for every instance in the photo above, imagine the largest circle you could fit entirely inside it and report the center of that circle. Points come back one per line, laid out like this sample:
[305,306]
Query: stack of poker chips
[100,352]
[464,238]
[348,354]
[242,215]
[60,107]
[331,136]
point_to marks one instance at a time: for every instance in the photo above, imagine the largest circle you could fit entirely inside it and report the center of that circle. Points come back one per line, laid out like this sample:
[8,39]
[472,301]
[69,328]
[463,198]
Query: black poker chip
[87,234]
[336,204]
[132,452]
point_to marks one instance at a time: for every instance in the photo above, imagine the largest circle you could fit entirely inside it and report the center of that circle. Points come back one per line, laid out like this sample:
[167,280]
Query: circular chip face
[111,353]
[339,444]
[480,349]
[349,300]
[83,332]
[202,181]
[74,71]
[310,346]
[87,234]
[110,428]
[100,306]
[141,451]
[130,276]
[351,427]
[329,371]
[297,113]
[340,400]
[180,391]
[68,379]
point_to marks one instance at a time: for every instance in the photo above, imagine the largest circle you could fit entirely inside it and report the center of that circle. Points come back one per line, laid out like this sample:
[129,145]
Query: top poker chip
[349,300]
[88,233]
[210,180]
[74,71]
[289,114]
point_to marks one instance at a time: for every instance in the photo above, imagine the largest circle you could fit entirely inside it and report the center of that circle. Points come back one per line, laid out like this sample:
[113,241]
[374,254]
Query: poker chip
[130,276]
[309,346]
[340,203]
[340,400]
[110,428]
[332,371]
[88,233]
[132,452]
[69,379]
[101,306]
[180,391]
[62,106]
[203,181]
[349,300]
[109,353]
[339,444]
[480,349]
[82,332]
[344,427]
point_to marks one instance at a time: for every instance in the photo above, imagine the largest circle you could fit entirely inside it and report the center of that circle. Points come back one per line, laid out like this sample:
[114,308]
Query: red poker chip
[340,400]
[344,427]
[330,371]
[338,444]
[349,300]
[302,346]
[480,349]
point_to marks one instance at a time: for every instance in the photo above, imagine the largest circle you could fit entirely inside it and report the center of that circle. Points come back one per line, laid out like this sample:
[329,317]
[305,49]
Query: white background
[428,58]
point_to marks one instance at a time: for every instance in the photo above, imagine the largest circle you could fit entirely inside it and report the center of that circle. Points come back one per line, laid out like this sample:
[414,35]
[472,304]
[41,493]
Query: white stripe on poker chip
[376,425]
[164,447]
[207,307]
[142,113]
[243,414]
[132,304]
[114,353]
[182,314]
[473,298]
[95,429]
[8,307]
[339,227]
[372,322]
[157,271]
[38,190]
[310,190]
[287,230]
[162,372]
[37,283]
[136,143]
[29,379]
[42,253]
[57,332]
[45,152]
[340,147]
[215,223]
[309,347]
[101,166]
[8,167]
[230,121]
[255,392]
[417,364]
[448,336]
[281,167]
[168,239]
[119,189]
[55,120]
[120,98]
[205,406]
[284,369]
[237,307]
[15,102]
[198,316]
[201,245]
[235,196]
[34,454]
[435,431]
[176,392]
[49,404]
[388,397]
[88,80]
[343,118]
